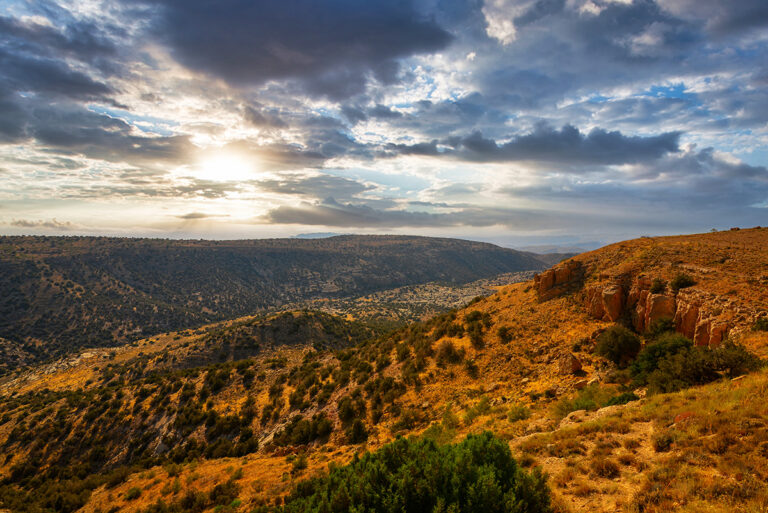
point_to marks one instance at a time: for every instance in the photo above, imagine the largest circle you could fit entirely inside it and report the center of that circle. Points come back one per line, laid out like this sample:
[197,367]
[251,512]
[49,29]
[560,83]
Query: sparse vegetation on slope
[528,371]
[65,293]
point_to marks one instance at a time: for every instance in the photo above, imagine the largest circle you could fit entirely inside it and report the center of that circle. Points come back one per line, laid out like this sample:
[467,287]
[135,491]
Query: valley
[632,376]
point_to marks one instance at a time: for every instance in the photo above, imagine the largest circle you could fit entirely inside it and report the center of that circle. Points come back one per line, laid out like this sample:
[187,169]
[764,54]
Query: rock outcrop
[566,277]
[691,318]
[569,364]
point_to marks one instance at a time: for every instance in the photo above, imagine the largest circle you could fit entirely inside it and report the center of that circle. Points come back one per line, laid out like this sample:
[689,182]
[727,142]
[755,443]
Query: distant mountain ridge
[61,293]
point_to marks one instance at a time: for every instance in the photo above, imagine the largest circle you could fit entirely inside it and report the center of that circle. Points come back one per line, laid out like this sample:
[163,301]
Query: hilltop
[65,293]
[672,423]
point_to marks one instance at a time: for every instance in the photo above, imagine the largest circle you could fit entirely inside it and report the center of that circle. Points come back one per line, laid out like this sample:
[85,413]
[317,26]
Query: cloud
[332,47]
[194,216]
[52,224]
[567,146]
[318,186]
[330,212]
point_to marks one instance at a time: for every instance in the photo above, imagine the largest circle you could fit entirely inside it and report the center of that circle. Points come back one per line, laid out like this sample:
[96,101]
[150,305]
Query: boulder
[569,364]
[613,302]
[593,302]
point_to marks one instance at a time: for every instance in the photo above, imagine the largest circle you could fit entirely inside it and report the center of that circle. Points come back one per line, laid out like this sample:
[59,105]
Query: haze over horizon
[519,122]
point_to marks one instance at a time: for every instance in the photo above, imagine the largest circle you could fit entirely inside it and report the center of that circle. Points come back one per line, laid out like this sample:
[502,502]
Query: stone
[686,317]
[718,332]
[613,302]
[658,306]
[569,364]
[701,333]
[594,302]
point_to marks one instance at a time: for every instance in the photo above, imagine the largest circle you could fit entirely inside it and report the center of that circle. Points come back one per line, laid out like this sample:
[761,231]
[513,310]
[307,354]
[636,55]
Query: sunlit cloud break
[503,120]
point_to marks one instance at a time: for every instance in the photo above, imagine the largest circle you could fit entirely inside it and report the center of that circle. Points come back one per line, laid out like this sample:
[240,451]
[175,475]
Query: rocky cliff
[636,284]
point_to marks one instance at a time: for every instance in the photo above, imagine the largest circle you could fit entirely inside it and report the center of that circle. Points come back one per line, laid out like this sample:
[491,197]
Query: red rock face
[554,282]
[686,317]
[718,331]
[609,302]
[612,302]
[658,306]
[701,334]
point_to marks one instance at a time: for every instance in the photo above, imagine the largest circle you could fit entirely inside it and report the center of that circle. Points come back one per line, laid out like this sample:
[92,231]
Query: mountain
[63,293]
[630,375]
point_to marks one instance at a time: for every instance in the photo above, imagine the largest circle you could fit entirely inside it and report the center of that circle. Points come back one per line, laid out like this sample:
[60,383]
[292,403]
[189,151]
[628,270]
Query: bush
[505,334]
[648,359]
[618,345]
[605,467]
[623,398]
[133,494]
[409,476]
[448,354]
[658,286]
[681,281]
[357,433]
[660,327]
[761,324]
[518,412]
[700,365]
[663,441]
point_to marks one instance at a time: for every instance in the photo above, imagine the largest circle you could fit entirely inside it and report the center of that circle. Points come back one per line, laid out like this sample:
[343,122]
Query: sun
[225,167]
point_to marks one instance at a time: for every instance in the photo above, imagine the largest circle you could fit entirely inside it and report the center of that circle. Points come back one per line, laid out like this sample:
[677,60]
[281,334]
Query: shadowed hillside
[60,293]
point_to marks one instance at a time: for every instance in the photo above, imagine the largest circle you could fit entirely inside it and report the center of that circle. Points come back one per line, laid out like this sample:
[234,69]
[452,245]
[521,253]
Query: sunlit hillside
[585,371]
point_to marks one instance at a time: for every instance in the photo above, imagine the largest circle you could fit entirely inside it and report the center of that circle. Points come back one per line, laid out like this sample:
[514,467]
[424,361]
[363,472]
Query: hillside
[666,425]
[64,293]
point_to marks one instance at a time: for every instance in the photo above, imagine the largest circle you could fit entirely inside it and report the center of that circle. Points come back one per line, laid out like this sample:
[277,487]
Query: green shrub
[357,434]
[482,407]
[518,412]
[618,344]
[648,359]
[623,398]
[681,281]
[588,398]
[505,334]
[415,476]
[660,327]
[133,494]
[448,354]
[658,286]
[761,324]
[700,365]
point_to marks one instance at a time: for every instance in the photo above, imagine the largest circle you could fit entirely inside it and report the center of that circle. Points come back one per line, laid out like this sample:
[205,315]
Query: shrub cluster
[414,476]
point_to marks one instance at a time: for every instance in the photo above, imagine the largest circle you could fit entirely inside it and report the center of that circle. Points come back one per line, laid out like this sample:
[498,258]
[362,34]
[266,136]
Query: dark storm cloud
[546,144]
[330,212]
[262,118]
[722,18]
[25,74]
[37,58]
[103,137]
[84,41]
[331,46]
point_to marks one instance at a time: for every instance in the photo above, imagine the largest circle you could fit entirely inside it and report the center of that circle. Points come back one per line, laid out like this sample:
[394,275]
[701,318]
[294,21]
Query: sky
[519,122]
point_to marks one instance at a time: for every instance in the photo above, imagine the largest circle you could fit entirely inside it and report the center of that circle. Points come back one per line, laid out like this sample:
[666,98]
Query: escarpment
[643,292]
